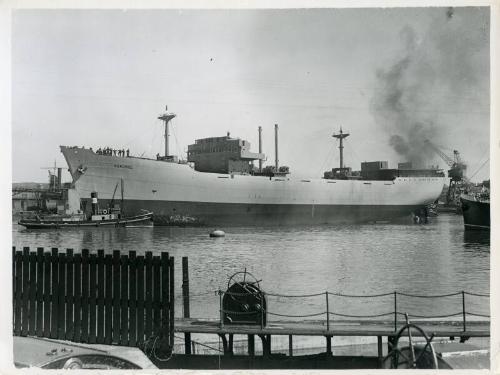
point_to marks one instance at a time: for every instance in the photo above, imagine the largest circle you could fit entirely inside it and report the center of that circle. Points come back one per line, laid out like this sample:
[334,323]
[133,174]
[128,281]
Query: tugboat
[110,217]
[476,211]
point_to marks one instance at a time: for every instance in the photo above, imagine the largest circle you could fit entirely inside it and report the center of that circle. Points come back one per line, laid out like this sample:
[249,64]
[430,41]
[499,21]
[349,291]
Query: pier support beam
[185,298]
[290,345]
[227,346]
[266,345]
[329,345]
[380,351]
[251,345]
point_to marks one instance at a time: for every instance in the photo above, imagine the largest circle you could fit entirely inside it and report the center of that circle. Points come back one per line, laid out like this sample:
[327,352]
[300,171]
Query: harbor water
[437,258]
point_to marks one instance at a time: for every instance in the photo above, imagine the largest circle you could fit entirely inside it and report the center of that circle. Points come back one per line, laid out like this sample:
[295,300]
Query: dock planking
[441,328]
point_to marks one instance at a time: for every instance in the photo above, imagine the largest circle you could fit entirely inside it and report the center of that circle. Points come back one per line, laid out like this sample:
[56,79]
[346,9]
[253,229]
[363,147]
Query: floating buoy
[217,233]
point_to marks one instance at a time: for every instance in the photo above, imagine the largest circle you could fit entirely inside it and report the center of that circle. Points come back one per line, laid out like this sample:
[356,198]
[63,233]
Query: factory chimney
[260,148]
[276,163]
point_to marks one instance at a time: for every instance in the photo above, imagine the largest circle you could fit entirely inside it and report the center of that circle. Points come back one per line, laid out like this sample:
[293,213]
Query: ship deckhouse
[222,155]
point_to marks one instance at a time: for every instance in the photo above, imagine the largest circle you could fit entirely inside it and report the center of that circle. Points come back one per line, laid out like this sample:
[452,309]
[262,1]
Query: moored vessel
[107,217]
[476,211]
[218,184]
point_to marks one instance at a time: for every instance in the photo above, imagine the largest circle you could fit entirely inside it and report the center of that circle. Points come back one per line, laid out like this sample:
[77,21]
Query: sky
[390,77]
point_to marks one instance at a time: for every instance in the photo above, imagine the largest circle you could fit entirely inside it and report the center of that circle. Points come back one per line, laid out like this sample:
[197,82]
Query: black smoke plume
[436,74]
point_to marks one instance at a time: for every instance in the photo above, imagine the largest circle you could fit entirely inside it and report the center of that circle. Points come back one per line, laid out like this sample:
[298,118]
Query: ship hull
[179,195]
[476,214]
[207,213]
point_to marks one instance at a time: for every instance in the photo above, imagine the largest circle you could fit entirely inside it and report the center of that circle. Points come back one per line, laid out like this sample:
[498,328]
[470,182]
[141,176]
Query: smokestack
[276,146]
[59,184]
[95,205]
[260,148]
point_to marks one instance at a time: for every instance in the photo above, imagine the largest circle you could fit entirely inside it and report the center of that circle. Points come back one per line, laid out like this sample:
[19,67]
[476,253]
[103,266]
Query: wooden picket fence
[96,298]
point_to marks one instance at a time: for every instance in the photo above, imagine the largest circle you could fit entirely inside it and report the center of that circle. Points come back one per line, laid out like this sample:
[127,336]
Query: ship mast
[341,137]
[166,117]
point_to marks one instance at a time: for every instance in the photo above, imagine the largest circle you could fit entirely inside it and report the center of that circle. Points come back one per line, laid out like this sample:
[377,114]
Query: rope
[362,316]
[297,316]
[481,315]
[200,343]
[433,316]
[361,296]
[431,296]
[477,294]
[345,295]
[294,295]
[242,312]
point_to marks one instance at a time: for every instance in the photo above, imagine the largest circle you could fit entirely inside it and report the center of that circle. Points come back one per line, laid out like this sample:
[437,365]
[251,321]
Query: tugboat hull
[138,220]
[476,213]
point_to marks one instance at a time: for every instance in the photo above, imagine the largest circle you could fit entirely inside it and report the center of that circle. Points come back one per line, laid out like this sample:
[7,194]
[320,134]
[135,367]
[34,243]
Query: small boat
[100,219]
[476,211]
[110,217]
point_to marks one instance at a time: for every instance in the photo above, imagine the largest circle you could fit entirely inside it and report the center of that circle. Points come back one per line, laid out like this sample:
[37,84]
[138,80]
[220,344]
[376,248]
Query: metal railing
[329,311]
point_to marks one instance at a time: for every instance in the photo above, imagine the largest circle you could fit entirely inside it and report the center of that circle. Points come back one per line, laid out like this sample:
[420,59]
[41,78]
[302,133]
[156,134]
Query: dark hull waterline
[209,214]
[139,220]
[476,214]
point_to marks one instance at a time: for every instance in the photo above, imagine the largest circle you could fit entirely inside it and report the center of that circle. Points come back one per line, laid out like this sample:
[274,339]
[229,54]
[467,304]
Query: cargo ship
[219,185]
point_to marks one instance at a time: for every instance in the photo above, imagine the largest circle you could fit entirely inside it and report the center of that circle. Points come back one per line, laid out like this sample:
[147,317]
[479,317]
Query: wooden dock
[367,328]
[440,328]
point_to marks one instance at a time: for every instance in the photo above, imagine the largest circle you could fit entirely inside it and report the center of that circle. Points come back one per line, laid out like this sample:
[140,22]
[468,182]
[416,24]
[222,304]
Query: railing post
[327,312]
[220,310]
[395,312]
[463,310]
[262,310]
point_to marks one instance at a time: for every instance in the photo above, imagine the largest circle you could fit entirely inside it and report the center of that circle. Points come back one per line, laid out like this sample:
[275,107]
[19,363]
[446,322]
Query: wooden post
[78,296]
[32,296]
[61,296]
[92,299]
[327,312]
[172,301]
[463,310]
[101,290]
[39,292]
[156,297]
[395,312]
[185,299]
[26,287]
[54,289]
[85,296]
[116,297]
[69,295]
[108,316]
[380,351]
[329,345]
[124,301]
[140,300]
[18,282]
[132,298]
[251,345]
[221,312]
[148,316]
[290,345]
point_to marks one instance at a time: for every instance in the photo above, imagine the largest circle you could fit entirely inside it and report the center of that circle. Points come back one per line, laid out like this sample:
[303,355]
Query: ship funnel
[260,148]
[95,204]
[276,162]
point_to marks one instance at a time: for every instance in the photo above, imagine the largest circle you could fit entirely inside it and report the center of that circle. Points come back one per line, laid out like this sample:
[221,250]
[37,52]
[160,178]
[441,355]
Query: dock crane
[456,173]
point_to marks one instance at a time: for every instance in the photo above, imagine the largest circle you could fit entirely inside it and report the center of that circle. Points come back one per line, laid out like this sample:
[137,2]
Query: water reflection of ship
[477,237]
